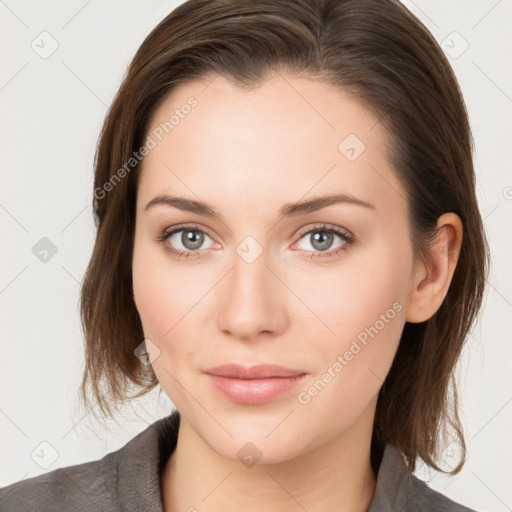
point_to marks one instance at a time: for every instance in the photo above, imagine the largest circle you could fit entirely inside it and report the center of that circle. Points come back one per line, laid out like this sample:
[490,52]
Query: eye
[321,239]
[184,241]
[187,241]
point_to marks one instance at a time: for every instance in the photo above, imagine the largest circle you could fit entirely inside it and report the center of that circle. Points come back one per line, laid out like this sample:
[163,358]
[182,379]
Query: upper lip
[260,371]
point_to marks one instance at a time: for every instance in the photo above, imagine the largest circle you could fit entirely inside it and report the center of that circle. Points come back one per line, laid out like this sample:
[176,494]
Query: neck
[335,476]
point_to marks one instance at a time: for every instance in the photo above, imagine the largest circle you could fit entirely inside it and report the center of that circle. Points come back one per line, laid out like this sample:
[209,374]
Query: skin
[247,153]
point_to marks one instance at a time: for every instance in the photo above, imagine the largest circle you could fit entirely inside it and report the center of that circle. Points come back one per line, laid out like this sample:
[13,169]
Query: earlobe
[432,278]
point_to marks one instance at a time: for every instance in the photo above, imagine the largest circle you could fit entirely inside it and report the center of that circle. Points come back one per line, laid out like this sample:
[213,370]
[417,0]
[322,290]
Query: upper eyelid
[326,226]
[178,228]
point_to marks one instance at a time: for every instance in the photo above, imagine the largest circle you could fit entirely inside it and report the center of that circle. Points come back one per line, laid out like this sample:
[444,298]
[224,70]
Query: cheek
[363,304]
[169,300]
[159,293]
[160,306]
[368,289]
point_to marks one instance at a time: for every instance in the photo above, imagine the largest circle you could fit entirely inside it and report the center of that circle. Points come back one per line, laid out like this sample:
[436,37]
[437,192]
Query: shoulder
[125,479]
[425,498]
[398,489]
[78,487]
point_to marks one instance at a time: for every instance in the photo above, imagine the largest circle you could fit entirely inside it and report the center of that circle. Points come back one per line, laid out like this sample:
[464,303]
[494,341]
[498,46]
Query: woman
[289,244]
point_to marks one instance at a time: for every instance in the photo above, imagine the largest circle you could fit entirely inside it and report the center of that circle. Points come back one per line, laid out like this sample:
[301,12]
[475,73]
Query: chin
[250,446]
[264,435]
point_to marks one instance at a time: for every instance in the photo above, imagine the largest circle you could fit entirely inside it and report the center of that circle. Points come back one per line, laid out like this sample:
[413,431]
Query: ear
[432,278]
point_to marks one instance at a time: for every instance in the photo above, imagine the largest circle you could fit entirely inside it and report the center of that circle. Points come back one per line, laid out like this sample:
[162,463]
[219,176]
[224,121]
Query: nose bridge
[252,302]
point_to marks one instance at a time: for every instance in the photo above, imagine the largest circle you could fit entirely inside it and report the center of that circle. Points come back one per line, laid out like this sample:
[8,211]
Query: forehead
[288,139]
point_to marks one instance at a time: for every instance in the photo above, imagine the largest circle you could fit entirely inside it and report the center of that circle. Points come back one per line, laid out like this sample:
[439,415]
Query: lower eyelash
[181,254]
[347,239]
[327,254]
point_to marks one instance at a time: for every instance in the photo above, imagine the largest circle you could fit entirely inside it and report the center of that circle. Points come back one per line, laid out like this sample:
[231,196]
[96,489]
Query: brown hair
[382,55]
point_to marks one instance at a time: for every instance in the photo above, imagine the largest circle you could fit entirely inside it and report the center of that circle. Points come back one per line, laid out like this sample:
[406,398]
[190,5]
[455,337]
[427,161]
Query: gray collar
[141,461]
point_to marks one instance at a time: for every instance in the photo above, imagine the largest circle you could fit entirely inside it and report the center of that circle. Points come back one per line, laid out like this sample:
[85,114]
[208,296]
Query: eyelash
[347,238]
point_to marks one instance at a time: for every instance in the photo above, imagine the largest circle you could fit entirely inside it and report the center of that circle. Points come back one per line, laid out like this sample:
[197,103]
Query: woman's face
[255,283]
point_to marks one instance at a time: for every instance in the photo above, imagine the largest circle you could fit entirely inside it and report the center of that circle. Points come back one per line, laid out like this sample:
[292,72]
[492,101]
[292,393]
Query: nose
[252,301]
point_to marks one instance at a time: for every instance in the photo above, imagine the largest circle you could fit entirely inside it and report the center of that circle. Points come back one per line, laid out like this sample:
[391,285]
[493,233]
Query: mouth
[253,385]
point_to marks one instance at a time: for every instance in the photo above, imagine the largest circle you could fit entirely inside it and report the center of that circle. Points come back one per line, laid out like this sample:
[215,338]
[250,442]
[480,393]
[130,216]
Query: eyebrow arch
[312,205]
[288,210]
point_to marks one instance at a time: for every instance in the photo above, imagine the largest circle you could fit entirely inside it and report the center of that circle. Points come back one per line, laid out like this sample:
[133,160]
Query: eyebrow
[288,210]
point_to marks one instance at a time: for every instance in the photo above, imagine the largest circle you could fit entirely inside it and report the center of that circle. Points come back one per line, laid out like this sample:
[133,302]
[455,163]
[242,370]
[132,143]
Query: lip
[252,385]
[260,371]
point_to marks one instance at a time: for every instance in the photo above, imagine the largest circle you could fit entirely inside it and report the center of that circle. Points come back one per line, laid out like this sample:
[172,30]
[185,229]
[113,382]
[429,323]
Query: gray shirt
[128,480]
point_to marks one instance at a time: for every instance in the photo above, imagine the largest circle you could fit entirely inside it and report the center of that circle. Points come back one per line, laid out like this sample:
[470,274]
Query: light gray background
[52,109]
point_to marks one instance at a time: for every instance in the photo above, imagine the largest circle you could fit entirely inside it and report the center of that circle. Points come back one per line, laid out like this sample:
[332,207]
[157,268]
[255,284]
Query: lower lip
[254,391]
